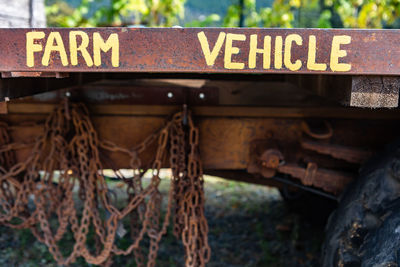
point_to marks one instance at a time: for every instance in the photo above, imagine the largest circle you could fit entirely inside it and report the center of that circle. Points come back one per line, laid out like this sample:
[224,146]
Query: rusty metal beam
[272,161]
[350,154]
[20,107]
[198,50]
[328,180]
[12,87]
[119,93]
[224,142]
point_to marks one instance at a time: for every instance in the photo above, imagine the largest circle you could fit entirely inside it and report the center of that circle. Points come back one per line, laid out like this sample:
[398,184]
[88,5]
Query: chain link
[65,159]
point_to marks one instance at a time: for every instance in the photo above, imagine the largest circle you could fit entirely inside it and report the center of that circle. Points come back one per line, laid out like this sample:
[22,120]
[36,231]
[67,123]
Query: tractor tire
[365,229]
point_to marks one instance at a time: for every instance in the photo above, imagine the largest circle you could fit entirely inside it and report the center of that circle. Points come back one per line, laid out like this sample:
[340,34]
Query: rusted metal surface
[328,180]
[350,154]
[42,104]
[319,162]
[129,90]
[105,93]
[326,133]
[267,164]
[11,88]
[272,162]
[36,74]
[228,50]
[226,142]
[3,108]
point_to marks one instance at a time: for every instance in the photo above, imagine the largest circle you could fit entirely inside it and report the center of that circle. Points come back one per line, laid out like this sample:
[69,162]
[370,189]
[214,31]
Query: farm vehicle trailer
[304,109]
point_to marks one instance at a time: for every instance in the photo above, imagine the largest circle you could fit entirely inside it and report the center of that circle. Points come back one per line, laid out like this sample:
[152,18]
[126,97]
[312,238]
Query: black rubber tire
[363,230]
[382,246]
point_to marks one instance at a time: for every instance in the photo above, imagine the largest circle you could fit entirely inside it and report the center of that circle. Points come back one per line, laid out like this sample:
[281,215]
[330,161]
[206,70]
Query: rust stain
[204,50]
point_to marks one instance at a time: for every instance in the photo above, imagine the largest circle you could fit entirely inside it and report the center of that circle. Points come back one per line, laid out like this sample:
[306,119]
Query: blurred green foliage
[275,13]
[97,13]
[317,14]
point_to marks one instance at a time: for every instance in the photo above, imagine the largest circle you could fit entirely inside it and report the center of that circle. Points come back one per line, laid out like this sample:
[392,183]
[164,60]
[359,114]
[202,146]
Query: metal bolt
[170,95]
[202,96]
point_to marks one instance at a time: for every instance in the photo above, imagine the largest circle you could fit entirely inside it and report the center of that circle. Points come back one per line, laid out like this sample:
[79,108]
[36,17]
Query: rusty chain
[64,167]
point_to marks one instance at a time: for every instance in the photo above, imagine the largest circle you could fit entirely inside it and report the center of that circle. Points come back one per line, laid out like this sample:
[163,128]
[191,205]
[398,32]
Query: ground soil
[249,226]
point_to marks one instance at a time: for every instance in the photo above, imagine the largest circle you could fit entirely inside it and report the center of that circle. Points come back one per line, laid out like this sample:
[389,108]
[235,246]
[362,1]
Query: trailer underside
[241,123]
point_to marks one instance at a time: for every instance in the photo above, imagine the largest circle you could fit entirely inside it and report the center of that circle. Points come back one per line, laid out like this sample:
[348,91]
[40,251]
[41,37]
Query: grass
[249,225]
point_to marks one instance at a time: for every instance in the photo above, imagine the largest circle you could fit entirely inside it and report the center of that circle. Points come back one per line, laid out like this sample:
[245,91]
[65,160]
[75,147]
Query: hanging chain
[38,193]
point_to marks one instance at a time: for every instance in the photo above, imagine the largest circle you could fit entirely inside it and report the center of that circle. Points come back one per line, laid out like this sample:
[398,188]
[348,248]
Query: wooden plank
[375,91]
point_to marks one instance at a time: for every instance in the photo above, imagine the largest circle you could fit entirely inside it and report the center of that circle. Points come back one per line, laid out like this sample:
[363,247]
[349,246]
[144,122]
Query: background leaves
[251,13]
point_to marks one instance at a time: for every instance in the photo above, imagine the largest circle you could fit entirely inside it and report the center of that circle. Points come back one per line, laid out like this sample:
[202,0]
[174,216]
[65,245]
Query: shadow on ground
[249,225]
